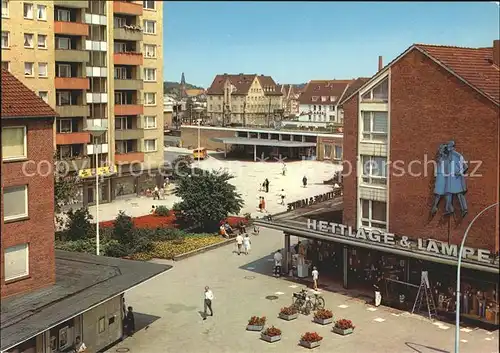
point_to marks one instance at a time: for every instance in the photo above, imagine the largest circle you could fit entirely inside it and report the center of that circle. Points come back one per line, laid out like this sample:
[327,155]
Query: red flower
[257,321]
[323,314]
[344,324]
[289,310]
[150,221]
[272,331]
[311,337]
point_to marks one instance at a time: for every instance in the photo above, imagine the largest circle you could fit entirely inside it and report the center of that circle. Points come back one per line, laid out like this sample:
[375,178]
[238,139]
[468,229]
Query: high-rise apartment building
[97,63]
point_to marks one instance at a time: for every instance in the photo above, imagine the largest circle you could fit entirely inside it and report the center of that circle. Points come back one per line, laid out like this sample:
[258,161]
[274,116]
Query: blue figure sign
[450,179]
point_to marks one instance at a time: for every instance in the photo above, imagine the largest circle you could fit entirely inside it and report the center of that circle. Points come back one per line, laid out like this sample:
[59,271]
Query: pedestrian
[246,244]
[282,194]
[260,203]
[284,169]
[162,193]
[239,243]
[304,181]
[130,322]
[152,209]
[242,227]
[315,275]
[277,263]
[376,287]
[80,347]
[256,229]
[266,184]
[222,231]
[156,193]
[263,204]
[207,303]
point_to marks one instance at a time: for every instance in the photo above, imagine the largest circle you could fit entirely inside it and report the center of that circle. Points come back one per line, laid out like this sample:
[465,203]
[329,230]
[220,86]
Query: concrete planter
[342,332]
[270,339]
[255,328]
[310,345]
[288,317]
[323,321]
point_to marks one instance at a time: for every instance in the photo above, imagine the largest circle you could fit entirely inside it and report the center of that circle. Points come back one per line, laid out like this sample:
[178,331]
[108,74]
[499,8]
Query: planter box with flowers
[323,317]
[271,334]
[310,340]
[288,313]
[256,323]
[343,327]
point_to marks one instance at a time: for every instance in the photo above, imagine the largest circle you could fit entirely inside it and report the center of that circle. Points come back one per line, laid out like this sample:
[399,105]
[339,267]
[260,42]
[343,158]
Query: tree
[66,185]
[78,225]
[207,198]
[182,165]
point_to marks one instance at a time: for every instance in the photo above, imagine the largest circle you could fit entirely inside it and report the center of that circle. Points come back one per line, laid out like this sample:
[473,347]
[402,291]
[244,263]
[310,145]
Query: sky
[295,42]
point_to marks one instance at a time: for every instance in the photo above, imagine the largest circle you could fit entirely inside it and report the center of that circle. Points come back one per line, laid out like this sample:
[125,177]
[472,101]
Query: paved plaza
[168,312]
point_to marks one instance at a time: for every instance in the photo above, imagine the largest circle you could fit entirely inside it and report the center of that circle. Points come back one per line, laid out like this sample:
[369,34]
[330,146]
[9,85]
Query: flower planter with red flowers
[256,323]
[288,313]
[271,334]
[310,340]
[343,327]
[323,317]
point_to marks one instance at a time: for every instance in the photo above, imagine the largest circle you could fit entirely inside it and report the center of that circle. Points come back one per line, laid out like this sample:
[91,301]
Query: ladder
[424,292]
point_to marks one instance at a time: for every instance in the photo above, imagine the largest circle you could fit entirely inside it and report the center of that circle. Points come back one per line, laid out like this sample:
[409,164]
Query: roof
[354,86]
[261,142]
[242,84]
[83,281]
[324,91]
[474,66]
[18,101]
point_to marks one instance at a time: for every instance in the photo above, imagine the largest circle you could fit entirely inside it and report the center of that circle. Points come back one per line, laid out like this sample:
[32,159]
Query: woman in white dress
[246,244]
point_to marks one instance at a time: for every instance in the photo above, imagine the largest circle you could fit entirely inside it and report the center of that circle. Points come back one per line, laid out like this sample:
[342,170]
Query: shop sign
[87,173]
[313,200]
[427,245]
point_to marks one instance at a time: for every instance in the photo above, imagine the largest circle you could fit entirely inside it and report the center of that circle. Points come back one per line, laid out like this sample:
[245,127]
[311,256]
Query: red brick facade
[430,106]
[38,229]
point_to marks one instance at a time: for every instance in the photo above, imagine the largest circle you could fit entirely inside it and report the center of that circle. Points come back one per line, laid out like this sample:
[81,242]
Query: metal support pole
[459,263]
[199,132]
[97,240]
[255,153]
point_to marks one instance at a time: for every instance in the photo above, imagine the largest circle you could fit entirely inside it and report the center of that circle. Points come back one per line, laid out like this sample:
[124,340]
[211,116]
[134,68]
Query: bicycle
[302,302]
[319,301]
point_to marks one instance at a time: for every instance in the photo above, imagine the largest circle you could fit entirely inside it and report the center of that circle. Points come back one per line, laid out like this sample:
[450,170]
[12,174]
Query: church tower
[183,86]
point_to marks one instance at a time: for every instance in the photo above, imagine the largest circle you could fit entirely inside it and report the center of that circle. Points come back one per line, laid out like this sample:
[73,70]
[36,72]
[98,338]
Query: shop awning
[261,142]
[303,232]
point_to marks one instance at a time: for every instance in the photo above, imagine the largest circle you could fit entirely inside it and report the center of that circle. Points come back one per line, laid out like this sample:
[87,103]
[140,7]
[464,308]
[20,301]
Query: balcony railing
[72,28]
[72,55]
[128,158]
[128,109]
[72,83]
[128,8]
[125,33]
[72,138]
[73,110]
[129,58]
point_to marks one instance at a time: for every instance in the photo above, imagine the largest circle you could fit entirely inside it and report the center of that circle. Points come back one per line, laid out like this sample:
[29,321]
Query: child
[246,244]
[315,275]
[256,229]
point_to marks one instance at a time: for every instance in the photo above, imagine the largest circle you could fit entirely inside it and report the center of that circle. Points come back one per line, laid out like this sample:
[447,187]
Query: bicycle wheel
[297,303]
[320,303]
[308,307]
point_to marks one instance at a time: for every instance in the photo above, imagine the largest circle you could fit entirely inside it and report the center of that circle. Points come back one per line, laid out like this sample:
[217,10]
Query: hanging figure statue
[456,180]
[440,177]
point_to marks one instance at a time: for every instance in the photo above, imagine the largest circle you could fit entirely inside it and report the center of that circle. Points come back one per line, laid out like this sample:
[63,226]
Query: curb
[202,250]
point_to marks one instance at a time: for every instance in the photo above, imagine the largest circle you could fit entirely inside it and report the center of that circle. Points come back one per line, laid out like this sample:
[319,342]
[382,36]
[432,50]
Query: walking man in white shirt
[239,243]
[277,263]
[315,275]
[209,296]
[282,195]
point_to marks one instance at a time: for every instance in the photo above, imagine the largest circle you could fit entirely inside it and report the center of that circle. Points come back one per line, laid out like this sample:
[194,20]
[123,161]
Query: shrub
[272,331]
[122,226]
[311,337]
[78,225]
[289,310]
[257,321]
[162,211]
[344,324]
[162,234]
[247,216]
[81,245]
[323,314]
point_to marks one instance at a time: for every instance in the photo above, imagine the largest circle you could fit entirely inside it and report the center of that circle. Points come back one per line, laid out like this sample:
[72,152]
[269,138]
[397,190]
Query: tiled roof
[19,101]
[474,65]
[242,84]
[323,91]
[354,86]
[269,86]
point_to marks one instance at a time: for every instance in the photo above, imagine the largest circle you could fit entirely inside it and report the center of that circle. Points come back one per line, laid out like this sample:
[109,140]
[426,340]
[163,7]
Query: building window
[5,8]
[149,51]
[373,214]
[63,15]
[149,4]
[123,123]
[5,40]
[149,75]
[379,93]
[28,69]
[41,12]
[126,146]
[102,324]
[63,98]
[28,40]
[42,69]
[149,27]
[28,11]
[150,145]
[42,41]
[63,70]
[149,98]
[14,143]
[374,170]
[120,73]
[374,126]
[120,47]
[44,95]
[15,202]
[63,43]
[150,122]
[6,65]
[65,126]
[16,262]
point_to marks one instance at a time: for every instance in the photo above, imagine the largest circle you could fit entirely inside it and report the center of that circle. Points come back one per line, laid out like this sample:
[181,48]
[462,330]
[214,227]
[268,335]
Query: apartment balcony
[128,109]
[127,8]
[130,85]
[129,158]
[72,83]
[129,134]
[74,56]
[72,138]
[81,4]
[71,28]
[70,111]
[127,34]
[134,59]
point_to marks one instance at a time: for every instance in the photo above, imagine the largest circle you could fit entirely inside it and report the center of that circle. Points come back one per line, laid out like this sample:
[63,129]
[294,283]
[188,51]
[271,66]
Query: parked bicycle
[318,301]
[302,302]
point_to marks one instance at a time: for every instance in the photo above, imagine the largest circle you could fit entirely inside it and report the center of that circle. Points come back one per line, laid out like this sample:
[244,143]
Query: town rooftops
[18,101]
[324,91]
[477,67]
[242,84]
[83,281]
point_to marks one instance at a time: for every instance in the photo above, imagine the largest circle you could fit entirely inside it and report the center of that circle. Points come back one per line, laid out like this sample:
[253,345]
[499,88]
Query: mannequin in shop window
[302,254]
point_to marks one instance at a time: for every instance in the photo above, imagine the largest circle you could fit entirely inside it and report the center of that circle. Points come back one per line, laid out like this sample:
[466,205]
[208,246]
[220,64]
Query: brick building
[49,297]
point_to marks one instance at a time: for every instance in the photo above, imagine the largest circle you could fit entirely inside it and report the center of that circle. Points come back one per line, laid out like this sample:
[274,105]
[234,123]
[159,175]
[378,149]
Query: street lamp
[199,133]
[97,131]
[457,294]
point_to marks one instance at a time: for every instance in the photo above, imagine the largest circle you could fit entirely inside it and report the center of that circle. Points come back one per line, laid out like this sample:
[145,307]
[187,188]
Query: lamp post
[199,135]
[457,294]
[97,131]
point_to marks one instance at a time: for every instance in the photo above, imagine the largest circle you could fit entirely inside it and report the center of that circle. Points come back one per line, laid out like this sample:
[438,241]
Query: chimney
[380,63]
[496,52]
